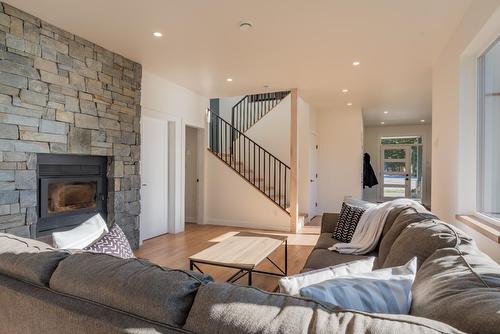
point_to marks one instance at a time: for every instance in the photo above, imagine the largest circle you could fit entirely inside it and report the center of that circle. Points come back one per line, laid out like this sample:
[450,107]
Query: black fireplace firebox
[71,189]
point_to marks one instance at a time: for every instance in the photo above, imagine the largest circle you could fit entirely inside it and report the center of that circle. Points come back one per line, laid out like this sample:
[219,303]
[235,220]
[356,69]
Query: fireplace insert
[71,189]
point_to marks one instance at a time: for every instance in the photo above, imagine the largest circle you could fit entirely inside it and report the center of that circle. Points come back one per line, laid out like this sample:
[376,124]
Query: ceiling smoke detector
[246,25]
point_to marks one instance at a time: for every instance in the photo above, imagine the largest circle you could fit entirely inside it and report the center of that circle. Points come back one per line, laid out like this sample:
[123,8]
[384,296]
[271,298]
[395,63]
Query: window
[488,185]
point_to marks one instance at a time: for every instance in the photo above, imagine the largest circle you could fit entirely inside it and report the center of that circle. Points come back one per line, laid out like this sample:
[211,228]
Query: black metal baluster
[254,113]
[213,134]
[254,171]
[259,170]
[264,173]
[244,156]
[274,195]
[285,190]
[225,142]
[279,185]
[219,140]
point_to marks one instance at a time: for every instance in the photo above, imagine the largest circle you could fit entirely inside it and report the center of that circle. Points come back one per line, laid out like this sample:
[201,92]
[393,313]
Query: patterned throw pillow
[113,243]
[348,220]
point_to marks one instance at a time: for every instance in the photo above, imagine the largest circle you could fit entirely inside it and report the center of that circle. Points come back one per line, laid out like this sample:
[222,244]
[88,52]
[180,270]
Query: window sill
[482,226]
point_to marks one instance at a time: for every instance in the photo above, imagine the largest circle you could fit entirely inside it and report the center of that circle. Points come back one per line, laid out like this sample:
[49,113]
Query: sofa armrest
[329,222]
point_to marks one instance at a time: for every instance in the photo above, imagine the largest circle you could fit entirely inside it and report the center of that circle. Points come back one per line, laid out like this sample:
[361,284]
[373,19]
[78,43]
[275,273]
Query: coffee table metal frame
[246,271]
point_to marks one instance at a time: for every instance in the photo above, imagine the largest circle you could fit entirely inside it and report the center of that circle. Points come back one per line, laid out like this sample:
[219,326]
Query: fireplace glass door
[67,196]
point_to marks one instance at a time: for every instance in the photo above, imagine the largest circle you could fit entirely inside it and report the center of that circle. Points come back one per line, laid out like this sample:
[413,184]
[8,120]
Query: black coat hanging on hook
[369,177]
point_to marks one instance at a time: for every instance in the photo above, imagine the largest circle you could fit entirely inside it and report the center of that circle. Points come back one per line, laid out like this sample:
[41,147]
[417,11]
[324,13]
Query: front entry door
[396,165]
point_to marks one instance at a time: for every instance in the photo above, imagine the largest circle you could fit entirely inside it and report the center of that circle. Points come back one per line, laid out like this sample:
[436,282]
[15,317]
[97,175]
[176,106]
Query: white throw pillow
[385,290]
[81,236]
[291,285]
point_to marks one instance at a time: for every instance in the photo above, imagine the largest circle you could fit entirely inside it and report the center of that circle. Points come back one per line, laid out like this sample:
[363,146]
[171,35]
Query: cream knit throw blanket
[370,226]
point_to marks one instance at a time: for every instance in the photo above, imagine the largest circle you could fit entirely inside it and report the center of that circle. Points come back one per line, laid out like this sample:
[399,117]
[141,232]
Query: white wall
[272,132]
[226,105]
[340,161]
[454,117]
[372,136]
[163,99]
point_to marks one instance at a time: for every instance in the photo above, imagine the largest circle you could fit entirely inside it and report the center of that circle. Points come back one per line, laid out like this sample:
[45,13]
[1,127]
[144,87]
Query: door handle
[144,185]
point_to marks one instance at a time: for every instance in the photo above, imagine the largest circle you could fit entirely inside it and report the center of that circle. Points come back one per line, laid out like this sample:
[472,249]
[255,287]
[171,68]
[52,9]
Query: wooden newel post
[294,170]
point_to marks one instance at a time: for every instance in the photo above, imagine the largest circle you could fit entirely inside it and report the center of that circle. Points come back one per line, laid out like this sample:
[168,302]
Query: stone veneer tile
[60,93]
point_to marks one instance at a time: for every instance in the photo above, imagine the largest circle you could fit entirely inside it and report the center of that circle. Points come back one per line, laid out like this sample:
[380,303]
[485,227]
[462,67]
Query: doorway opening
[401,165]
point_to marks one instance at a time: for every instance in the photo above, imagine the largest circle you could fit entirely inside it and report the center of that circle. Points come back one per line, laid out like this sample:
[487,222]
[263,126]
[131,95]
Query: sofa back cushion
[404,218]
[27,259]
[227,309]
[422,240]
[459,286]
[131,285]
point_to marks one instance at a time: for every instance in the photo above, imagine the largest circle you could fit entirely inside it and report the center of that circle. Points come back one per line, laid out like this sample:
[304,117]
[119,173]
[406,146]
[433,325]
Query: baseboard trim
[246,224]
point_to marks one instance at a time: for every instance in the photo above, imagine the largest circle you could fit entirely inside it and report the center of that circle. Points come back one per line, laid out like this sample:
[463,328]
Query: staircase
[254,163]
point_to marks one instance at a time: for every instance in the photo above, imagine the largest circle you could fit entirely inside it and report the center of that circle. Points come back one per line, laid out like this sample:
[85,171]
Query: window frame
[480,136]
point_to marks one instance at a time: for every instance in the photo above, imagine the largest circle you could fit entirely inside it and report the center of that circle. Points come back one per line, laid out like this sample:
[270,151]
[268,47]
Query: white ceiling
[308,44]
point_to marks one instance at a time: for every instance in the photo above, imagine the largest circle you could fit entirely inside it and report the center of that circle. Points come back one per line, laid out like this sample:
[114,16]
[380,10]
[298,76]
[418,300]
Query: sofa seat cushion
[131,285]
[406,217]
[321,258]
[459,286]
[422,240]
[228,309]
[325,241]
[27,259]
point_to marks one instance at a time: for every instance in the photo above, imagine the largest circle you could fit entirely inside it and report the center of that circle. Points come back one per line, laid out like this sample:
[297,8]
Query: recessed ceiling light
[382,123]
[229,79]
[157,34]
[245,25]
[422,121]
[345,90]
[356,63]
[349,104]
[386,112]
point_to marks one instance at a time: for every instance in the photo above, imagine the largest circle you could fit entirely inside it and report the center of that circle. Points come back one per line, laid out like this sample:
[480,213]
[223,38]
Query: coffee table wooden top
[244,250]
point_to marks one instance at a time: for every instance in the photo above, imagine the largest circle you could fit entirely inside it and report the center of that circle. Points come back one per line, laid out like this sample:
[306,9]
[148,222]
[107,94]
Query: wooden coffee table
[243,251]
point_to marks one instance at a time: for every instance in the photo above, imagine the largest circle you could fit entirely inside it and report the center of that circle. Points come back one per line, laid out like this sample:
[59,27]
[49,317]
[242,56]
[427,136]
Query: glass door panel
[396,169]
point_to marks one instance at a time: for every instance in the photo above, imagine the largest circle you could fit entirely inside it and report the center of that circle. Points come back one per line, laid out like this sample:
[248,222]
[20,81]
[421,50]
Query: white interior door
[154,174]
[313,175]
[396,165]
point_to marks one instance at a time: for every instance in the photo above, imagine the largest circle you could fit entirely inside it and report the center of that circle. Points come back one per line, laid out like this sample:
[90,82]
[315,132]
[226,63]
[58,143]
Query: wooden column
[294,163]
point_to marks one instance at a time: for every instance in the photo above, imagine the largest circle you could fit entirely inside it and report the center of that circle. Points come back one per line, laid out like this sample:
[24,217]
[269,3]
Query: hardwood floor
[173,250]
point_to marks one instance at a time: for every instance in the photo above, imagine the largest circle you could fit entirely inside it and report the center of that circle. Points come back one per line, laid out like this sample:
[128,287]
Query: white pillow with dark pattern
[113,243]
[348,221]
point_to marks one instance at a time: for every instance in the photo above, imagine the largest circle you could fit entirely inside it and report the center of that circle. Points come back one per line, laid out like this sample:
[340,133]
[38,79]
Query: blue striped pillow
[380,291]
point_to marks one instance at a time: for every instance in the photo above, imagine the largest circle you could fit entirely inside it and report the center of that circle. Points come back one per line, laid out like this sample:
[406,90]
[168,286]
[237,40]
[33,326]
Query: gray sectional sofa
[43,290]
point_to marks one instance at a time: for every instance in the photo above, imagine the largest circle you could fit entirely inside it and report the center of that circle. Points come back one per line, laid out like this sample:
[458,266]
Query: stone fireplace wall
[60,93]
